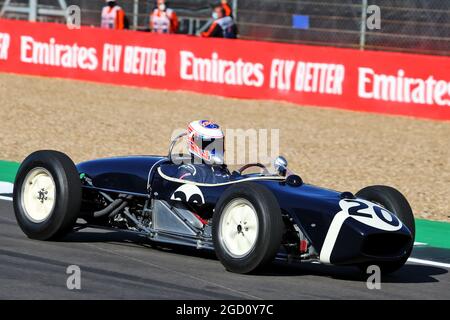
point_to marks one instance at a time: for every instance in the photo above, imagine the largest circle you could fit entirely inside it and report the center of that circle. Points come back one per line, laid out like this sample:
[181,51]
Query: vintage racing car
[247,219]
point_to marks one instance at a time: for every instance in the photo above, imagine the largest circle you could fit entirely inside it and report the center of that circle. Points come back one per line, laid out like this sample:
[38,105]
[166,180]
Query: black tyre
[395,202]
[247,227]
[47,195]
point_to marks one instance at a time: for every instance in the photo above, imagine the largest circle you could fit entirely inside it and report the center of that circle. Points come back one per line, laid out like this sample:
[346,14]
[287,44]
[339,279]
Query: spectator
[163,19]
[227,8]
[113,16]
[223,26]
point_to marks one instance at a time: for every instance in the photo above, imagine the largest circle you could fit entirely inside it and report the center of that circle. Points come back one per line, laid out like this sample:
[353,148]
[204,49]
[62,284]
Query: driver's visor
[209,149]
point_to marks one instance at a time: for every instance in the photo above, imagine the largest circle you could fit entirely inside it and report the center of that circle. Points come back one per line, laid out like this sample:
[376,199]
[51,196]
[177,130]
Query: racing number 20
[355,211]
[373,210]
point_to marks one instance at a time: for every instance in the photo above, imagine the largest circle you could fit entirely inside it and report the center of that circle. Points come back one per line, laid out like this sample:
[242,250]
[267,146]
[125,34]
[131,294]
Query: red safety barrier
[383,82]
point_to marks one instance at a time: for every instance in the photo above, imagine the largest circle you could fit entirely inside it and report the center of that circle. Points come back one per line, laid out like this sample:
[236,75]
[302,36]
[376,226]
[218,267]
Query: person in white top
[113,16]
[163,19]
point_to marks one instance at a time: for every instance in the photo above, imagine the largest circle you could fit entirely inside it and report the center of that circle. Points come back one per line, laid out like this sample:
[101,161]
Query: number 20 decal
[370,214]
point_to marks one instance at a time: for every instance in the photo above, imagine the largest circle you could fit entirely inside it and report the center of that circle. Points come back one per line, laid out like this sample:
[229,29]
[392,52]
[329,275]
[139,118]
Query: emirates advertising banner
[382,82]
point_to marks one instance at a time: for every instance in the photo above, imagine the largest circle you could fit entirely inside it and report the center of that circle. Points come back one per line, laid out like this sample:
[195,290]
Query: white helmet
[206,141]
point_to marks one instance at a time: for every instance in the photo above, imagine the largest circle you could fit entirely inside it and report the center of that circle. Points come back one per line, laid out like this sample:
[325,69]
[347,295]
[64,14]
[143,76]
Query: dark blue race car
[247,219]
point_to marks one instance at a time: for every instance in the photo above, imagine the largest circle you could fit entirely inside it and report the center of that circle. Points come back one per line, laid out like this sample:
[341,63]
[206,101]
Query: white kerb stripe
[6,187]
[429,262]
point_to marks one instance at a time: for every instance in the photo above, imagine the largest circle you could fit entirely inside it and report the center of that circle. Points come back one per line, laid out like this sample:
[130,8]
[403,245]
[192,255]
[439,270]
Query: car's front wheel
[396,203]
[47,195]
[247,227]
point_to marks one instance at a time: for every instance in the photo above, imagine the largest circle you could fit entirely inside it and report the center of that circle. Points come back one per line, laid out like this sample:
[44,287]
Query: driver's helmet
[206,141]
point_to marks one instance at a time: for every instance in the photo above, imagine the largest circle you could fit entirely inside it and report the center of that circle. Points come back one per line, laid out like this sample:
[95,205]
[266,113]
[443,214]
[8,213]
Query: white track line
[429,262]
[6,198]
[6,187]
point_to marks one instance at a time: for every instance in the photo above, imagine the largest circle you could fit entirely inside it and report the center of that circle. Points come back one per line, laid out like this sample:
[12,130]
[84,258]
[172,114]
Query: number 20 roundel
[370,214]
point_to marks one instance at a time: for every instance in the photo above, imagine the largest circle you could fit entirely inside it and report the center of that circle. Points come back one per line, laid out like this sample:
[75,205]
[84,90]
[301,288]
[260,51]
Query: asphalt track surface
[121,265]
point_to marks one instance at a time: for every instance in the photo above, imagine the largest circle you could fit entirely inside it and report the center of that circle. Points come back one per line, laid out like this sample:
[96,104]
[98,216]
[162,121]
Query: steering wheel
[259,165]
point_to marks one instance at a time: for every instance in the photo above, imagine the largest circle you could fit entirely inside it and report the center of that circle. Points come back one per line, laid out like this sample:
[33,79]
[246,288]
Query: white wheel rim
[38,195]
[238,229]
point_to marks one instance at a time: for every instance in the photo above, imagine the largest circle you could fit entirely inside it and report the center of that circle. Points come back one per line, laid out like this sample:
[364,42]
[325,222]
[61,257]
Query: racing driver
[206,147]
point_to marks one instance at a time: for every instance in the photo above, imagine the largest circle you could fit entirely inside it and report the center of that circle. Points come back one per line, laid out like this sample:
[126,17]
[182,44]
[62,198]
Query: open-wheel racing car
[247,219]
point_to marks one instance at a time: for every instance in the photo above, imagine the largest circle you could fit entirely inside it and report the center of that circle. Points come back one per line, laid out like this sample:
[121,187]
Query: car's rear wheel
[396,203]
[247,227]
[47,195]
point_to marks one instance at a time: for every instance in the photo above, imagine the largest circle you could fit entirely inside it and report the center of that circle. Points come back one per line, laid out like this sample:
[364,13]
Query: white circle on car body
[188,193]
[370,214]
